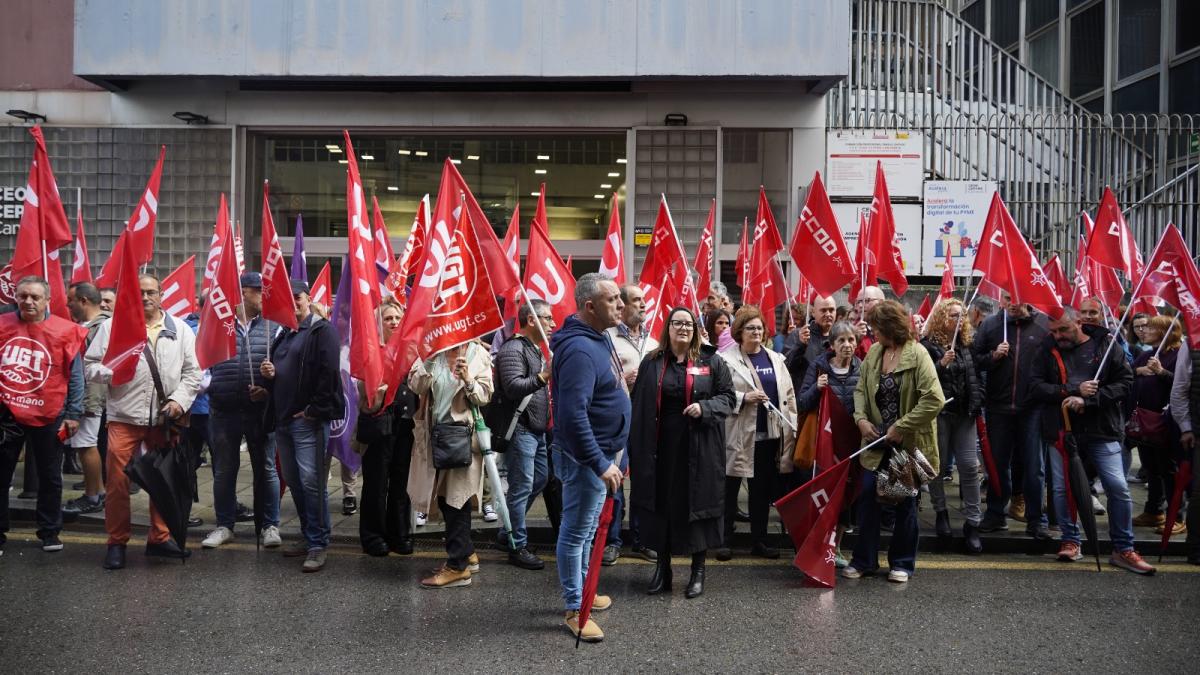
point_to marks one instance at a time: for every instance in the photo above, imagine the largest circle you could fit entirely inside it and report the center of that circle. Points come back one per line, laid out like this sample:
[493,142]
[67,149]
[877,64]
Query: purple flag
[299,260]
[341,432]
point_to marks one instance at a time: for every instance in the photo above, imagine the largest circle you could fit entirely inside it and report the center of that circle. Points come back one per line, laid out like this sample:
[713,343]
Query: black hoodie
[1103,417]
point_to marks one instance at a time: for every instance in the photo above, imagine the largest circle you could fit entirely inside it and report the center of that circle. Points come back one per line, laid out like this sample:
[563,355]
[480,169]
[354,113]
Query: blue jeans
[1106,456]
[1017,433]
[902,553]
[526,463]
[225,433]
[302,445]
[583,497]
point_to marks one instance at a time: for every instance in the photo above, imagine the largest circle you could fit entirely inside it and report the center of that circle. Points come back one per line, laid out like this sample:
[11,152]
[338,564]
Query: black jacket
[801,357]
[959,380]
[1103,417]
[229,389]
[1007,380]
[518,364]
[842,385]
[706,454]
[317,389]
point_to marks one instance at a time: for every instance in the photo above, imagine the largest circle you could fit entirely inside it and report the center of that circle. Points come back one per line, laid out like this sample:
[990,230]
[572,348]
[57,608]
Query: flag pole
[1132,301]
[966,306]
[1163,341]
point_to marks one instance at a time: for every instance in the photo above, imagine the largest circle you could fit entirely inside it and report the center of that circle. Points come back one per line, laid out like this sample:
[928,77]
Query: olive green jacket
[921,400]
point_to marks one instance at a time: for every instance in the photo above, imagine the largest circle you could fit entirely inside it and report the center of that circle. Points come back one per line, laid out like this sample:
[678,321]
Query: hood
[574,327]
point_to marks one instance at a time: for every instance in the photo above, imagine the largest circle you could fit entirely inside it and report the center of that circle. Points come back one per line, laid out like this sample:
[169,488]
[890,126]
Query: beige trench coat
[458,486]
[740,427]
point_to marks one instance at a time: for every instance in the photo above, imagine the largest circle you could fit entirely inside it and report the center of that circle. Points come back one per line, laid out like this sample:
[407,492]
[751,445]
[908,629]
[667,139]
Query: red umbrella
[989,461]
[1182,478]
[593,576]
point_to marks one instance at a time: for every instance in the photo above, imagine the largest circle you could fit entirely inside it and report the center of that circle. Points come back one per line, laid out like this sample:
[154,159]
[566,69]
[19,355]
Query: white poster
[953,218]
[852,156]
[908,230]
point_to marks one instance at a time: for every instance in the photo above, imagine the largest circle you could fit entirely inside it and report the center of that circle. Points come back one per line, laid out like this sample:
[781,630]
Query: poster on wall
[953,215]
[852,155]
[908,229]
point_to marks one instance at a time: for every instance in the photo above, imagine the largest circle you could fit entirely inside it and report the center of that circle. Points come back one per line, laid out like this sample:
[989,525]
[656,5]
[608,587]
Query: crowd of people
[690,417]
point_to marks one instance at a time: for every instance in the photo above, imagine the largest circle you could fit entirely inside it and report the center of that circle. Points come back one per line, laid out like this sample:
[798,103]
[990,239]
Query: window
[1187,17]
[1139,97]
[743,171]
[1039,13]
[1043,56]
[1006,22]
[976,16]
[1184,94]
[1087,51]
[1139,24]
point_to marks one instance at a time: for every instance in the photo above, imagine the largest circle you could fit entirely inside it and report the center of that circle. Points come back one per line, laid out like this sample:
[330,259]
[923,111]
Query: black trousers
[763,487]
[384,510]
[46,450]
[458,534]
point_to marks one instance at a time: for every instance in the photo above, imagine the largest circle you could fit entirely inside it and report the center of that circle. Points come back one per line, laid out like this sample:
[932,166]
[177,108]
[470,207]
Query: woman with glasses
[759,440]
[1152,430]
[956,434]
[898,397]
[681,398]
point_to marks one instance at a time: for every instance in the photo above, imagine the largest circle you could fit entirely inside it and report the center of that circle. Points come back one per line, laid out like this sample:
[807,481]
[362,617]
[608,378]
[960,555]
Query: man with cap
[238,409]
[305,395]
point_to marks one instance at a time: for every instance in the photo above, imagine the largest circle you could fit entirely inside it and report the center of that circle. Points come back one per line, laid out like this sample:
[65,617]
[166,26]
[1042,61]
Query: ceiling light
[539,171]
[543,157]
[598,196]
[605,186]
[535,194]
[333,148]
[343,161]
[393,188]
[421,153]
[613,174]
[368,156]
[405,152]
[456,161]
[473,158]
[622,160]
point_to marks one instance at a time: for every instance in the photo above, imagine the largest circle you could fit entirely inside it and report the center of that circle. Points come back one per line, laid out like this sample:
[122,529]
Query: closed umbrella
[166,477]
[1182,478]
[1077,484]
[592,582]
[484,434]
[989,460]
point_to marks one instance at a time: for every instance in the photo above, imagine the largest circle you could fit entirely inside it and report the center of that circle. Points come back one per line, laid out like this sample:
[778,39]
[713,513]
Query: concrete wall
[36,41]
[462,38]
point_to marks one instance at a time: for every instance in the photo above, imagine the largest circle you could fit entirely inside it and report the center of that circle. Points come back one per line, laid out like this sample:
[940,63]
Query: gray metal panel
[461,38]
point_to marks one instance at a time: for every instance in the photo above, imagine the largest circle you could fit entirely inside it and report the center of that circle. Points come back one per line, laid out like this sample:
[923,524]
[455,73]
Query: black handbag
[451,445]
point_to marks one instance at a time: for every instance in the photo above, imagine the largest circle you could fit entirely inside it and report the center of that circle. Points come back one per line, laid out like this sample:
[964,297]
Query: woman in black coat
[683,393]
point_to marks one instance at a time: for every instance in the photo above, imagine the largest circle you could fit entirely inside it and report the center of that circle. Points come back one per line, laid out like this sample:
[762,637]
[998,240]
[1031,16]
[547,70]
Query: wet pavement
[237,610]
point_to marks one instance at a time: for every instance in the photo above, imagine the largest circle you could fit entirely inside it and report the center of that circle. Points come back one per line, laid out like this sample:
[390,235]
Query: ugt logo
[24,365]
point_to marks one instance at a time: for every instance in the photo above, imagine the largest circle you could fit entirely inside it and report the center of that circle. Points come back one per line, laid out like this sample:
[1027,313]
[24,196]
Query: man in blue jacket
[591,418]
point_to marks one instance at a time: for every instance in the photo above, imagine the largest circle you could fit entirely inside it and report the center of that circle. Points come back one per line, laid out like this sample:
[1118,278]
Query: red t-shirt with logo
[35,366]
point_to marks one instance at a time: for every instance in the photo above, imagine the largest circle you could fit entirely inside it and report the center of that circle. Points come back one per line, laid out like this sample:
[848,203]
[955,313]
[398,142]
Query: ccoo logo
[24,365]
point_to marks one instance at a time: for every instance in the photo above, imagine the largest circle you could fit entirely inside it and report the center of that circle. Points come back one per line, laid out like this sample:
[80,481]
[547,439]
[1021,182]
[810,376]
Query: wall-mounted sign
[12,205]
[852,155]
[953,219]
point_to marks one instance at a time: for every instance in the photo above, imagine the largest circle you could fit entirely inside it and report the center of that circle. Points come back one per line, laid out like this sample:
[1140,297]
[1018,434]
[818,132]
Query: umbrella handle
[1066,418]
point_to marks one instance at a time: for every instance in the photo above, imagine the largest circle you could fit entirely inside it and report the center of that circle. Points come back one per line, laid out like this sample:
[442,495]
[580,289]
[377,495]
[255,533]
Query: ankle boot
[661,581]
[971,535]
[696,583]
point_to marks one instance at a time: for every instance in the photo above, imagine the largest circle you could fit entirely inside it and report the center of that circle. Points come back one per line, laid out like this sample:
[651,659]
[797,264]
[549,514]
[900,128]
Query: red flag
[865,259]
[810,513]
[743,257]
[128,321]
[1111,243]
[414,246]
[81,267]
[1055,275]
[384,256]
[215,249]
[769,290]
[1008,262]
[58,291]
[503,278]
[278,305]
[512,251]
[947,289]
[817,245]
[141,224]
[805,293]
[883,235]
[1172,275]
[179,289]
[216,340]
[926,308]
[365,358]
[766,241]
[704,254]
[837,435]
[655,314]
[612,261]
[665,255]
[44,225]
[1100,281]
[547,278]
[319,291]
[539,213]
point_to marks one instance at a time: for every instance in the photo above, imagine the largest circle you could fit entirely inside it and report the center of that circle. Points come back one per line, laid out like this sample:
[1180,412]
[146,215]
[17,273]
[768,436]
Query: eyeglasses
[547,318]
[753,329]
[1141,327]
[682,325]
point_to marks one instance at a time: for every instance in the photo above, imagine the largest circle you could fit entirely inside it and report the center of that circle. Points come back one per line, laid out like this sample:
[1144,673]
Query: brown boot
[1016,509]
[1150,520]
[591,632]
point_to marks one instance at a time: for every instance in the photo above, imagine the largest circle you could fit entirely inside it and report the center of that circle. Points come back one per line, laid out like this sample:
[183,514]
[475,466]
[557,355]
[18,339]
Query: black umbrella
[165,474]
[1077,482]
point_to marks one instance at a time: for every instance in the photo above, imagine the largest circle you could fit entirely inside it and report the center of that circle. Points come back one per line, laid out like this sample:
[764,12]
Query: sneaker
[315,562]
[898,576]
[851,572]
[489,514]
[1097,506]
[270,537]
[298,549]
[419,519]
[991,524]
[601,603]
[51,543]
[1069,552]
[219,536]
[644,553]
[1178,528]
[1016,509]
[1150,520]
[525,560]
[840,563]
[1131,561]
[195,521]
[591,632]
[447,577]
[1039,532]
[473,563]
[349,506]
[611,553]
[84,504]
